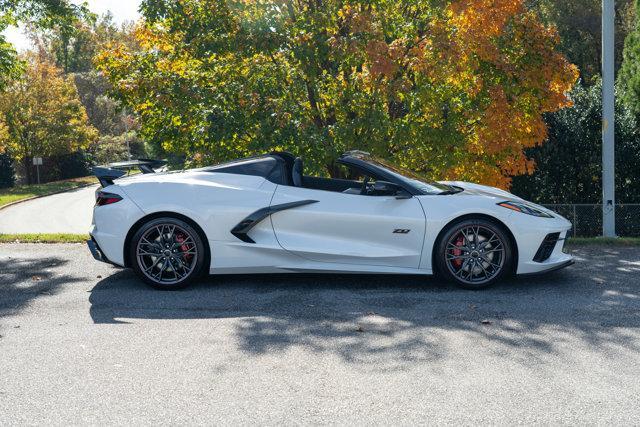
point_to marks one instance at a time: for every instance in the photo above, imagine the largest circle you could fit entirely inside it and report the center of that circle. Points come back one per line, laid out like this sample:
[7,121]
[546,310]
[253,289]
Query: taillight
[103,198]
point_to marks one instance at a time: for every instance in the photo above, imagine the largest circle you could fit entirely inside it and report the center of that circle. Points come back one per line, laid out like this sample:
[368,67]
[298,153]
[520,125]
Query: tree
[579,24]
[629,77]
[72,47]
[42,116]
[106,114]
[39,13]
[450,89]
[570,163]
[110,148]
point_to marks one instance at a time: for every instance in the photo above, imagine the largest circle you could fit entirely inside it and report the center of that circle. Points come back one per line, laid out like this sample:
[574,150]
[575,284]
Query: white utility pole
[608,119]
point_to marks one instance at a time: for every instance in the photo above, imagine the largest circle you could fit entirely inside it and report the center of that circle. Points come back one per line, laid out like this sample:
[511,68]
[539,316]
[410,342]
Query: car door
[335,227]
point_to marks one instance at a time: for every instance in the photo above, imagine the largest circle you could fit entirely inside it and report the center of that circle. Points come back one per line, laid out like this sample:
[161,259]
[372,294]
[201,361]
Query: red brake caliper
[184,248]
[458,252]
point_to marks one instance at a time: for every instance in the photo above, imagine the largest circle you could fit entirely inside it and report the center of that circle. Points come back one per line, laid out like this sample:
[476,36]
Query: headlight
[524,208]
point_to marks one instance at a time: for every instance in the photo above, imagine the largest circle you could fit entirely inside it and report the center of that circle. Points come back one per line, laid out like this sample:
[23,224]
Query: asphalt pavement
[68,212]
[85,343]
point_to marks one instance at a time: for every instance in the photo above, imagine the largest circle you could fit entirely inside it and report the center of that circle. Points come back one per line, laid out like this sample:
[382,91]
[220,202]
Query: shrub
[569,165]
[7,173]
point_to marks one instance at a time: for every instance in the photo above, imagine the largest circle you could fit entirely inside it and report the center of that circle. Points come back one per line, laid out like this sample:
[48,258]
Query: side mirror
[384,188]
[403,194]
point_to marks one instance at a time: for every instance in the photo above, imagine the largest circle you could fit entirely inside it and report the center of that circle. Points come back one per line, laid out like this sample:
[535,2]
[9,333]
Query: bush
[65,166]
[111,148]
[7,173]
[569,164]
[56,168]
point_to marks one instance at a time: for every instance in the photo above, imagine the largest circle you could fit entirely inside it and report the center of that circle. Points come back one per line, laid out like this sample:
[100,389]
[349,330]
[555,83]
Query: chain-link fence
[587,219]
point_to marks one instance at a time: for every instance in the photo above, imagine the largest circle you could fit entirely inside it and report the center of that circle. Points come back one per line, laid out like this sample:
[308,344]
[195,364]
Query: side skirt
[321,269]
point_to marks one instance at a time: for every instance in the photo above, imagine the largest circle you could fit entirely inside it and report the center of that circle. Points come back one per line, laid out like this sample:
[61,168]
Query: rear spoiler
[106,174]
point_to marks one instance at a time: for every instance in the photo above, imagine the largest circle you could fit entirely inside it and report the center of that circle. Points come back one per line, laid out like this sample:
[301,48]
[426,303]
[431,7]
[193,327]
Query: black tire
[474,253]
[167,253]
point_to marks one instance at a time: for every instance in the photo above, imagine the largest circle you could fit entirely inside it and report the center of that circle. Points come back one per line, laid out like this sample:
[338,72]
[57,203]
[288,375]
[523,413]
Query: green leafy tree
[38,13]
[111,148]
[73,47]
[42,116]
[117,127]
[450,89]
[629,77]
[569,165]
[579,25]
[105,113]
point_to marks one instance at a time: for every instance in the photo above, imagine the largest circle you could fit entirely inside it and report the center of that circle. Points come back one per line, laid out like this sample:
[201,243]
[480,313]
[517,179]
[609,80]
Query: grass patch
[604,241]
[44,238]
[14,194]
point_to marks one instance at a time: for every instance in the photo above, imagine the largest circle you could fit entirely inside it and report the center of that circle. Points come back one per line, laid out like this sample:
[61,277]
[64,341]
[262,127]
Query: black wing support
[106,174]
[244,226]
[145,165]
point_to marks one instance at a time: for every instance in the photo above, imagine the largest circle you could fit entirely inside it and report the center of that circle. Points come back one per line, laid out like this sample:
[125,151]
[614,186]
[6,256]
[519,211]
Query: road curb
[17,202]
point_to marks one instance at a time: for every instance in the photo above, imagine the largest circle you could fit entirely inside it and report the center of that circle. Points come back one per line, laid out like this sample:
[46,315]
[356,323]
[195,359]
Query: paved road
[83,342]
[68,212]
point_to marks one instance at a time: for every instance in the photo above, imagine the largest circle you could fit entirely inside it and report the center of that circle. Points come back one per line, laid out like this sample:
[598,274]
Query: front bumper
[538,257]
[550,269]
[534,237]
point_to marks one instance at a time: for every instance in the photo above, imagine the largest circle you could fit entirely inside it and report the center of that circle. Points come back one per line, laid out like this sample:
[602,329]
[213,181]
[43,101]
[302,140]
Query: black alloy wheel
[167,253]
[474,253]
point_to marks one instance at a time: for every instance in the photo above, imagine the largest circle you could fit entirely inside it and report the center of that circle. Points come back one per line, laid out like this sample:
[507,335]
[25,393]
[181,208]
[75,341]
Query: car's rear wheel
[167,253]
[474,253]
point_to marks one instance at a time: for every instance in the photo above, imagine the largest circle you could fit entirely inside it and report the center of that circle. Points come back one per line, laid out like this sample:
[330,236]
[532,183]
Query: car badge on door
[401,231]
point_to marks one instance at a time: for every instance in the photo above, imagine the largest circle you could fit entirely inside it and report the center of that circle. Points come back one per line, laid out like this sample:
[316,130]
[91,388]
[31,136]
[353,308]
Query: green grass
[620,241]
[43,238]
[22,192]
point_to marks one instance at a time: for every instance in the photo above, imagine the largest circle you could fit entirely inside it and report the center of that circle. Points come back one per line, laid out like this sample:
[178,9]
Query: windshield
[408,176]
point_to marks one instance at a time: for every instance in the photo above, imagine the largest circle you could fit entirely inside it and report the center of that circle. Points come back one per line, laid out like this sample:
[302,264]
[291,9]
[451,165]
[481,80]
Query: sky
[122,10]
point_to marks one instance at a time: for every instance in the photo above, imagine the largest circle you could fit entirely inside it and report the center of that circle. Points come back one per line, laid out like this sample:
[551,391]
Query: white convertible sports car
[264,215]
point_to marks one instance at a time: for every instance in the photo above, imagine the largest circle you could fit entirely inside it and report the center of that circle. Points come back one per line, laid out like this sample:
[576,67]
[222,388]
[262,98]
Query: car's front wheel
[474,253]
[167,253]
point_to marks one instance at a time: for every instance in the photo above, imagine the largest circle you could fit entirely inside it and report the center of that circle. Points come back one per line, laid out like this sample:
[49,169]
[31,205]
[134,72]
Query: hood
[482,190]
[499,195]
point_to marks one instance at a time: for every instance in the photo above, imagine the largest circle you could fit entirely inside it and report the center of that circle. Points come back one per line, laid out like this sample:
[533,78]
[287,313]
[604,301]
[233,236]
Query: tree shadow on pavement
[387,321]
[24,280]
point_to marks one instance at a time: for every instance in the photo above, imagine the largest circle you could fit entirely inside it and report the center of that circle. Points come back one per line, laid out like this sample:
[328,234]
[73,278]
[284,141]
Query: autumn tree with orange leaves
[449,89]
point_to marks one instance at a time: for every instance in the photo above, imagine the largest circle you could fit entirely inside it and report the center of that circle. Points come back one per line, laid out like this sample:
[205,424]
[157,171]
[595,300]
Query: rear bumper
[97,253]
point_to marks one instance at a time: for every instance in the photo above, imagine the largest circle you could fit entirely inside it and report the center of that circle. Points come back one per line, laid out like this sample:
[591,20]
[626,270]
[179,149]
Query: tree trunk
[28,172]
[335,170]
[315,115]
